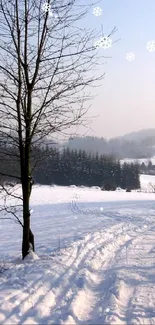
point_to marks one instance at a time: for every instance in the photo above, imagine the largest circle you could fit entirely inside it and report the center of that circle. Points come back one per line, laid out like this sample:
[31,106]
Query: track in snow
[102,289]
[105,278]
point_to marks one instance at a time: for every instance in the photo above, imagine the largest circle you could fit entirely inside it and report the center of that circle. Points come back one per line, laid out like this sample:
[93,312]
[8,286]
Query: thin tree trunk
[31,235]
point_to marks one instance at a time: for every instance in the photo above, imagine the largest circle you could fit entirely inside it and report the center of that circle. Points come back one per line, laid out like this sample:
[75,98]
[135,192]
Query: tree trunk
[28,239]
[31,239]
[26,217]
[26,234]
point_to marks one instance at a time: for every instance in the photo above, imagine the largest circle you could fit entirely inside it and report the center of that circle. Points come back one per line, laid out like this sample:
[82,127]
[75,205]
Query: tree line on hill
[71,167]
[120,147]
[148,169]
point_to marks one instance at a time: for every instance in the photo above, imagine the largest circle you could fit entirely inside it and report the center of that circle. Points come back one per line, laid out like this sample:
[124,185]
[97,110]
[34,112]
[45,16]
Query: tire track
[90,281]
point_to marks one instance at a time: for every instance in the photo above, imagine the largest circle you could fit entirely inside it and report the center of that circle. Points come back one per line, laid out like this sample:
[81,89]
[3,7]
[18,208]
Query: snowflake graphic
[97,44]
[46,7]
[130,56]
[97,11]
[151,46]
[104,42]
[17,302]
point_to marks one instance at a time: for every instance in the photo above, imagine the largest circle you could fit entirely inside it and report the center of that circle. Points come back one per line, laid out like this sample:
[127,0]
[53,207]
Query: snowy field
[94,261]
[147,181]
[140,161]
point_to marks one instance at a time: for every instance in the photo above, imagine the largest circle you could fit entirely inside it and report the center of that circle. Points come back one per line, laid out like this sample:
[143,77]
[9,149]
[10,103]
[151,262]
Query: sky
[125,101]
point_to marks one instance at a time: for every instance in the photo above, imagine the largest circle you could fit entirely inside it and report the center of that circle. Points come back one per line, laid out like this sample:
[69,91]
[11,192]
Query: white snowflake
[104,42]
[97,11]
[151,46]
[130,56]
[107,310]
[17,302]
[98,44]
[46,7]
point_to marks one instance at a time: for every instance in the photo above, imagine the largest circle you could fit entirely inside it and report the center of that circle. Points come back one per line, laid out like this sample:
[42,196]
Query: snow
[94,261]
[146,180]
[140,161]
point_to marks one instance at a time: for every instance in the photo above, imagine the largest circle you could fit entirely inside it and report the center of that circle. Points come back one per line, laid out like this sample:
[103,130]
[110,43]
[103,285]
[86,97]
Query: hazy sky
[126,99]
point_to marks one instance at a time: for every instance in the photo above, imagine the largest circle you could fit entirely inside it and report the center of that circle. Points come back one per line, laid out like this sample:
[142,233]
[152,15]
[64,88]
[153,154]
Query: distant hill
[139,135]
[136,145]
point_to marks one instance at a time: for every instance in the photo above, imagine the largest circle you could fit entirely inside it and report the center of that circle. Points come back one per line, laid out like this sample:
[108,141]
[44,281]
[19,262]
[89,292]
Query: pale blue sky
[126,99]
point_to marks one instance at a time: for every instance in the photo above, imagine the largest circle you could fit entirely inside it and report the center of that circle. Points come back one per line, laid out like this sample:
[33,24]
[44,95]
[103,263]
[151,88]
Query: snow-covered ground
[140,161]
[147,182]
[94,261]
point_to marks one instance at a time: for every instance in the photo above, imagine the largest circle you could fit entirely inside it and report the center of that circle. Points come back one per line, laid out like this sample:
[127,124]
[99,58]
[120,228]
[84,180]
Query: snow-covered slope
[94,261]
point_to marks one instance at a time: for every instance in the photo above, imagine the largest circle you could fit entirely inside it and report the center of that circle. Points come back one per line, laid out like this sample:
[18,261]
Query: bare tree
[46,62]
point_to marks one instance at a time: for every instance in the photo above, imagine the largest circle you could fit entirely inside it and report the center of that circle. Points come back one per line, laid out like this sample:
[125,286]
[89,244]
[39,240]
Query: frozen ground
[145,160]
[94,261]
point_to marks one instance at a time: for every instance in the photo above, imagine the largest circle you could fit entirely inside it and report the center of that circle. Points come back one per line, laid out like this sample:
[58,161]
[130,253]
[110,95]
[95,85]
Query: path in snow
[116,280]
[104,277]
